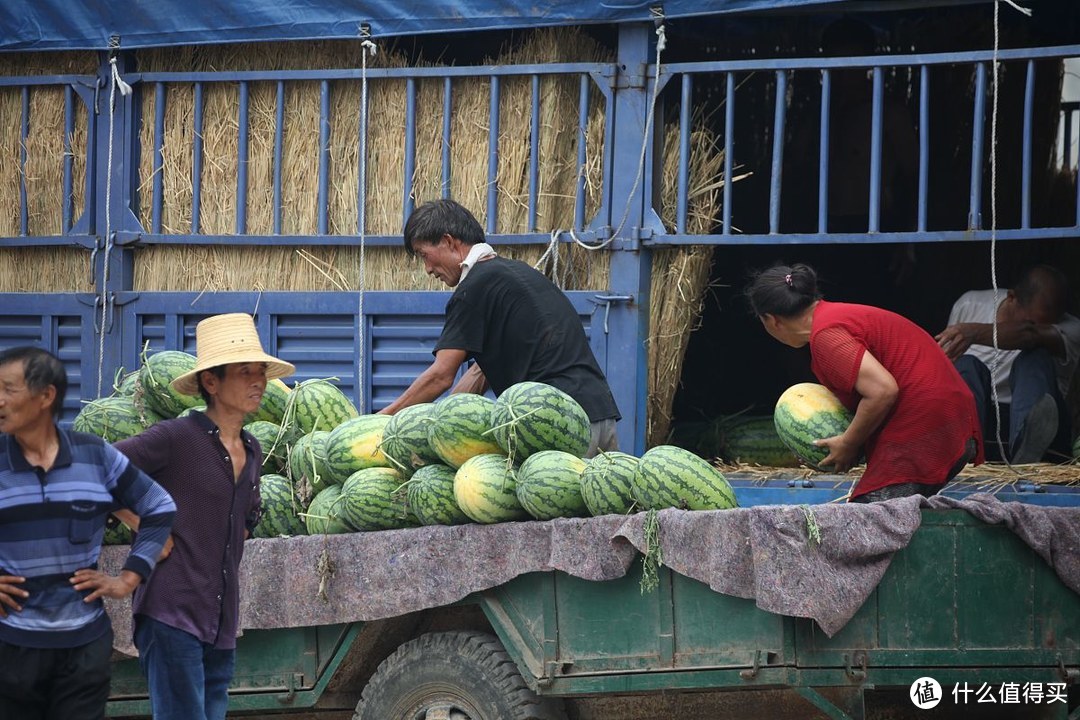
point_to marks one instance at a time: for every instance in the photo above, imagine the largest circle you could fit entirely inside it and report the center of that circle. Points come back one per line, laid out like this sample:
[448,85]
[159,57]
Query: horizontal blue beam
[18,80]
[125,238]
[863,238]
[603,69]
[870,61]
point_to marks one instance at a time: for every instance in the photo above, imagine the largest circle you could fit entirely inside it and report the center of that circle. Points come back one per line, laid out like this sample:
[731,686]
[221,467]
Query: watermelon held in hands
[281,508]
[485,488]
[807,412]
[530,416]
[405,439]
[549,485]
[431,496]
[356,444]
[113,418]
[155,389]
[373,499]
[317,405]
[607,483]
[460,428]
[671,477]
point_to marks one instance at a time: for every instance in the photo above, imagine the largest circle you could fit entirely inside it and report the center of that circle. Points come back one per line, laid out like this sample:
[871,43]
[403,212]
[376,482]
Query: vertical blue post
[823,154]
[242,161]
[924,144]
[279,148]
[977,132]
[534,154]
[876,120]
[158,160]
[447,126]
[1025,178]
[583,125]
[493,158]
[683,195]
[24,133]
[729,150]
[120,201]
[197,159]
[776,175]
[324,158]
[69,130]
[631,264]
[409,199]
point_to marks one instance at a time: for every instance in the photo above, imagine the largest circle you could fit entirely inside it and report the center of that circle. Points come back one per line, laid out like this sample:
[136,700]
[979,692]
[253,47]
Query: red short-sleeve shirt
[926,431]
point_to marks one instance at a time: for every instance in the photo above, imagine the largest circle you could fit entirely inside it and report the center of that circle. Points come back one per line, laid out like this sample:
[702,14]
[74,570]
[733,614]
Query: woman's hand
[842,456]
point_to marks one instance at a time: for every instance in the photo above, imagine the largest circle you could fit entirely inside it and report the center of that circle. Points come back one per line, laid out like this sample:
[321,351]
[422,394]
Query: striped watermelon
[405,439]
[373,499]
[273,443]
[280,509]
[155,378]
[307,463]
[485,488]
[431,496]
[188,411]
[116,532]
[530,416]
[807,412]
[272,406]
[126,384]
[355,445]
[753,439]
[460,429]
[607,483]
[549,485]
[323,514]
[671,477]
[318,405]
[114,418]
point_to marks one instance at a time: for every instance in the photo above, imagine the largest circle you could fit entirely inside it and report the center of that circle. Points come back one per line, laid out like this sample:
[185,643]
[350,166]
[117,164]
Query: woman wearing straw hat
[186,616]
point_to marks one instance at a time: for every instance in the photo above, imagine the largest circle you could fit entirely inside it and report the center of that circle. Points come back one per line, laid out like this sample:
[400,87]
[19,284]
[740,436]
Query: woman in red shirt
[914,415]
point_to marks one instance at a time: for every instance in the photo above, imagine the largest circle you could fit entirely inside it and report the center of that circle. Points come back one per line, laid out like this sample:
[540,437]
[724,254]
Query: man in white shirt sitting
[1038,348]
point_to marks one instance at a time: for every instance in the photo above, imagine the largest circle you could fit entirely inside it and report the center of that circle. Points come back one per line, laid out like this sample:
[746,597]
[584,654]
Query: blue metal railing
[592,77]
[73,105]
[921,68]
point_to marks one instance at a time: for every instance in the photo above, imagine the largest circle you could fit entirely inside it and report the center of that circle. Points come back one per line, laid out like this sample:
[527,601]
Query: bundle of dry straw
[53,268]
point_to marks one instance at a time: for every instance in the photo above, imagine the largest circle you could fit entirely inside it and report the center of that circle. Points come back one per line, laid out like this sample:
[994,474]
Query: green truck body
[964,602]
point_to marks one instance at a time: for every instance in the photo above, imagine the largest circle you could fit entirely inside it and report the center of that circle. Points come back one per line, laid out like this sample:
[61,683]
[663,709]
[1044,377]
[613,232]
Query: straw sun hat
[226,339]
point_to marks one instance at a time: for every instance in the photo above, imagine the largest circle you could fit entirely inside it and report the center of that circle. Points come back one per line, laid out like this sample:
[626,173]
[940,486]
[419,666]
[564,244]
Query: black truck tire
[452,676]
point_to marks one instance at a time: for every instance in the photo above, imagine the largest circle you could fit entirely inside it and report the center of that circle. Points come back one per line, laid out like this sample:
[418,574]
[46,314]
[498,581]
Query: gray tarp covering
[761,552]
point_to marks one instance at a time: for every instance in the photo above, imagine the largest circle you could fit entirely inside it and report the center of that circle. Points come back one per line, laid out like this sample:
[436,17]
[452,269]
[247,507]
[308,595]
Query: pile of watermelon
[466,458]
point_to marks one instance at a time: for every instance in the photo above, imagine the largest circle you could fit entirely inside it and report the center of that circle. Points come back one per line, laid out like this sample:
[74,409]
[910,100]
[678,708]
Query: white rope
[661,44]
[552,251]
[367,47]
[116,83]
[993,220]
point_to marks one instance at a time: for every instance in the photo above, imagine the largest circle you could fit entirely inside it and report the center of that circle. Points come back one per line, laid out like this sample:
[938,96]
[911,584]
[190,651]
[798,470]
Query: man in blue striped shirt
[57,488]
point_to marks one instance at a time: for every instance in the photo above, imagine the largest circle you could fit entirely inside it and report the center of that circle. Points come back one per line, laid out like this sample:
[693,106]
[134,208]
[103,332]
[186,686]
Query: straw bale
[680,275]
[44,143]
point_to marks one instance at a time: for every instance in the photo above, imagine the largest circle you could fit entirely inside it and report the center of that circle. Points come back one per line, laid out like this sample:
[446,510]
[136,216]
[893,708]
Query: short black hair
[1045,281]
[783,290]
[429,222]
[218,372]
[40,370]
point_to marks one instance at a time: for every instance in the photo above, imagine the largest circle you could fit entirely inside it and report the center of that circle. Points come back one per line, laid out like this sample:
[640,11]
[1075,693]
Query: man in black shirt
[507,316]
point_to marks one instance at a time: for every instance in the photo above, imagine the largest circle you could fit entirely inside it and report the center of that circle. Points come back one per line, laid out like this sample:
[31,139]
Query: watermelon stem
[813,531]
[653,556]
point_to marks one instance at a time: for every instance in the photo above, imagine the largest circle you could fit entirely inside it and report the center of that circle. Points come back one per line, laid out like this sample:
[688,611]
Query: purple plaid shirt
[196,588]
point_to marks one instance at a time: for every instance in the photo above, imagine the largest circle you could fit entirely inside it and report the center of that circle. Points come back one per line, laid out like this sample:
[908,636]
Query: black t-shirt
[519,327]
